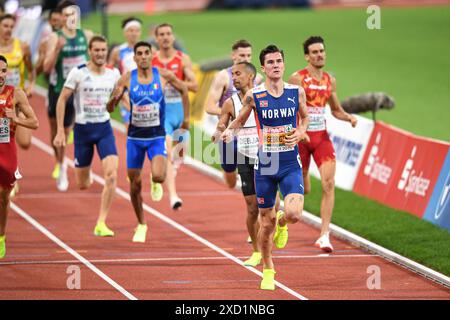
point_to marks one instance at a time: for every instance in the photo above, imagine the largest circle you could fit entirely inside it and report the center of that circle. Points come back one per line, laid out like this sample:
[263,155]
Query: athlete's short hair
[129,19]
[7,16]
[162,25]
[97,38]
[241,44]
[271,48]
[311,40]
[53,11]
[142,44]
[66,3]
[250,67]
[2,58]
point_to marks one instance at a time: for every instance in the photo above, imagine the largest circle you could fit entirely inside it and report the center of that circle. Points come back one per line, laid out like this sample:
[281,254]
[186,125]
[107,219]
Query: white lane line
[46,148]
[75,254]
[112,261]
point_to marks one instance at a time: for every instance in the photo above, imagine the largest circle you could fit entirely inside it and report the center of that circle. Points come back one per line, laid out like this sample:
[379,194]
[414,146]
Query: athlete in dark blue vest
[277,107]
[146,134]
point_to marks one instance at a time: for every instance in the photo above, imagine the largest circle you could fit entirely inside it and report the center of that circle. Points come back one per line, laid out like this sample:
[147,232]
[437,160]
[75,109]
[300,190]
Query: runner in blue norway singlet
[146,132]
[277,164]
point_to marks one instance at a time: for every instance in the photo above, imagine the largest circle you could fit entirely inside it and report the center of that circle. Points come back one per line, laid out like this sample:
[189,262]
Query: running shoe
[176,203]
[70,137]
[102,230]
[140,233]
[281,233]
[2,246]
[56,171]
[324,243]
[249,239]
[268,280]
[254,260]
[62,183]
[156,191]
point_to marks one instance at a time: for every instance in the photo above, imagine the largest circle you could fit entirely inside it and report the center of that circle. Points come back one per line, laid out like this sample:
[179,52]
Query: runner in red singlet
[12,101]
[320,89]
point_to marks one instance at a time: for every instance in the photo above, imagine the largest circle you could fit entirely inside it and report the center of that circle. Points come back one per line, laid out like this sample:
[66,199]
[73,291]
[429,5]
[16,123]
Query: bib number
[69,63]
[5,130]
[247,142]
[146,116]
[13,77]
[275,138]
[316,119]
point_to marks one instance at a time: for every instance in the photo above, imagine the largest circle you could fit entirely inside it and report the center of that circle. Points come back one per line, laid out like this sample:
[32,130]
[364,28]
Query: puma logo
[292,99]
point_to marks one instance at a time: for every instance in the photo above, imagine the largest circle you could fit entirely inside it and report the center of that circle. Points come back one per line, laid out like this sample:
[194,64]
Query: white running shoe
[176,203]
[324,243]
[62,183]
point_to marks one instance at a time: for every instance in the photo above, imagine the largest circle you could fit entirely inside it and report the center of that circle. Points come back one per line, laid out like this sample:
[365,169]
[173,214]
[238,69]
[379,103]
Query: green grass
[407,58]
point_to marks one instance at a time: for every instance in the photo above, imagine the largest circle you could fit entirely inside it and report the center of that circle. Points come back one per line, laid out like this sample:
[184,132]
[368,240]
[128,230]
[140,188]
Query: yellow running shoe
[70,137]
[254,260]
[102,230]
[157,191]
[281,233]
[268,280]
[140,233]
[2,246]
[56,171]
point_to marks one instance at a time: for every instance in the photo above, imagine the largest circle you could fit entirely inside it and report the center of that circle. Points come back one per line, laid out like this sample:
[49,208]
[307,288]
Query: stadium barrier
[407,172]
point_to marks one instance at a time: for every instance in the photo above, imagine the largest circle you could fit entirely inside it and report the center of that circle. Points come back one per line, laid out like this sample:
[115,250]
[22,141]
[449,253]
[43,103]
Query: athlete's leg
[267,221]
[23,137]
[4,204]
[134,175]
[327,172]
[110,165]
[293,207]
[83,177]
[159,168]
[170,177]
[252,221]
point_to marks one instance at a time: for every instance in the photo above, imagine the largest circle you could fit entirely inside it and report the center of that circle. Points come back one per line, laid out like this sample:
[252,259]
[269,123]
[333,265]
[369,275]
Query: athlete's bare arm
[119,90]
[336,109]
[169,77]
[225,116]
[54,45]
[39,67]
[218,87]
[295,79]
[247,107]
[259,79]
[29,66]
[60,138]
[189,74]
[21,104]
[299,134]
[88,34]
[114,57]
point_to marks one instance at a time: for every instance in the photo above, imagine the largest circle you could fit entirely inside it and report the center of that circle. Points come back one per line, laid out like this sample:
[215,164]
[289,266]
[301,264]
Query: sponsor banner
[350,145]
[438,209]
[400,169]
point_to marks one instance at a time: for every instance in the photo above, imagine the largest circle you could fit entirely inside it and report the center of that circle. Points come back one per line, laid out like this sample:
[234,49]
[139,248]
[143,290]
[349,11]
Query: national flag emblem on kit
[263,103]
[155,86]
[260,200]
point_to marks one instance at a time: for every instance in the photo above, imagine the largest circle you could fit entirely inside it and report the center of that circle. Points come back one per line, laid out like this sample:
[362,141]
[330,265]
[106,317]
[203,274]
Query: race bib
[94,108]
[69,63]
[13,77]
[172,95]
[316,119]
[247,142]
[145,116]
[5,130]
[274,138]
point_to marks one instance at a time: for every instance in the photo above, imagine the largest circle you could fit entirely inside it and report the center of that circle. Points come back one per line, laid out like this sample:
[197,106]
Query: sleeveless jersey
[147,108]
[247,138]
[73,54]
[317,94]
[230,90]
[175,65]
[275,117]
[7,128]
[16,66]
[92,92]
[126,61]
